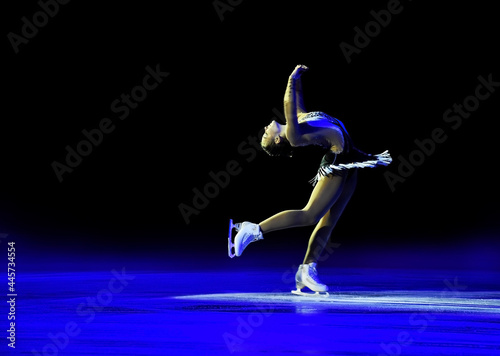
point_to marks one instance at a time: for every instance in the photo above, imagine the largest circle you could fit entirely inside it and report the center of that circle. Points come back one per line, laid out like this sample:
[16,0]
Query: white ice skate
[246,233]
[307,276]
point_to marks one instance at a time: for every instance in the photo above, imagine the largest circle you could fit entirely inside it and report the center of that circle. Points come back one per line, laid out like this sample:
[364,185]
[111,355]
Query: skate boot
[247,232]
[307,276]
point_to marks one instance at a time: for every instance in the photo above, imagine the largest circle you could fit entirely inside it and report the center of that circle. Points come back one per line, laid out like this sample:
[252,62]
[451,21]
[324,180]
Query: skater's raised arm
[289,102]
[293,133]
[298,97]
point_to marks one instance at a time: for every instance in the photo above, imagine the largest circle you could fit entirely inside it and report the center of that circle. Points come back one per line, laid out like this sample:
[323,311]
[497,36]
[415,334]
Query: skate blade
[313,294]
[230,244]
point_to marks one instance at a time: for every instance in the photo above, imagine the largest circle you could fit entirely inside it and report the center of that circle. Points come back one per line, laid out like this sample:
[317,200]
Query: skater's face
[271,134]
[274,140]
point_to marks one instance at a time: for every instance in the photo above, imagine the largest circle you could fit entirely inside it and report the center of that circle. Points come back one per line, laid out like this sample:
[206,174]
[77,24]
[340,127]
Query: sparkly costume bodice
[316,118]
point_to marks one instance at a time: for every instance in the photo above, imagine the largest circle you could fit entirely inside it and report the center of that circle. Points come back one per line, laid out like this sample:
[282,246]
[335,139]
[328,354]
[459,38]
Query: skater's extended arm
[298,97]
[290,109]
[294,135]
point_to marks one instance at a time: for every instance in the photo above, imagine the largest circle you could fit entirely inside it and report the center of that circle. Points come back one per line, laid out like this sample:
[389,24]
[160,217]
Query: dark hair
[283,148]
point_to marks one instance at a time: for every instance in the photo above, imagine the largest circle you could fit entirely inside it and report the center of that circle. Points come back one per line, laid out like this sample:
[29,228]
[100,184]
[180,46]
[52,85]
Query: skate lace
[314,275]
[256,234]
[252,236]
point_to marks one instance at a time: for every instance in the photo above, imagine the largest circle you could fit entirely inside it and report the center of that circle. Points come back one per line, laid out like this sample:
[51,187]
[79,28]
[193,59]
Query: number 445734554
[11,271]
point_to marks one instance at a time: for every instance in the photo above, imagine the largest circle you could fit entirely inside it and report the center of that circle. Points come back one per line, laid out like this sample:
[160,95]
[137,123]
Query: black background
[225,79]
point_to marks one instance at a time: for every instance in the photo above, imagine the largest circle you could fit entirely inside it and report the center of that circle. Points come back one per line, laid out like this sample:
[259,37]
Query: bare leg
[323,230]
[323,196]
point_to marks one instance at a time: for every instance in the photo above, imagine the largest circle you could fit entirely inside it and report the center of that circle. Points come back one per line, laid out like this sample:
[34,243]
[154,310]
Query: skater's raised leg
[323,196]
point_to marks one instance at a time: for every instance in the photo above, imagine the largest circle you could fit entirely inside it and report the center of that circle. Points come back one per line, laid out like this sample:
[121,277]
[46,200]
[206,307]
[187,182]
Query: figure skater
[333,184]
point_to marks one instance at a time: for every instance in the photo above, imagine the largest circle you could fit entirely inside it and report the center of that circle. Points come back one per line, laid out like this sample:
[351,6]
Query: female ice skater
[333,184]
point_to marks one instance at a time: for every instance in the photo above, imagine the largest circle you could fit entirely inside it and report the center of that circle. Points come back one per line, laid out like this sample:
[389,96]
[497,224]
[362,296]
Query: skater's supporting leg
[323,230]
[319,238]
[323,196]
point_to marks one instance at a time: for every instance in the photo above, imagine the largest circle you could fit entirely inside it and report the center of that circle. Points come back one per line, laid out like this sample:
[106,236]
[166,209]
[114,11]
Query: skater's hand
[297,72]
